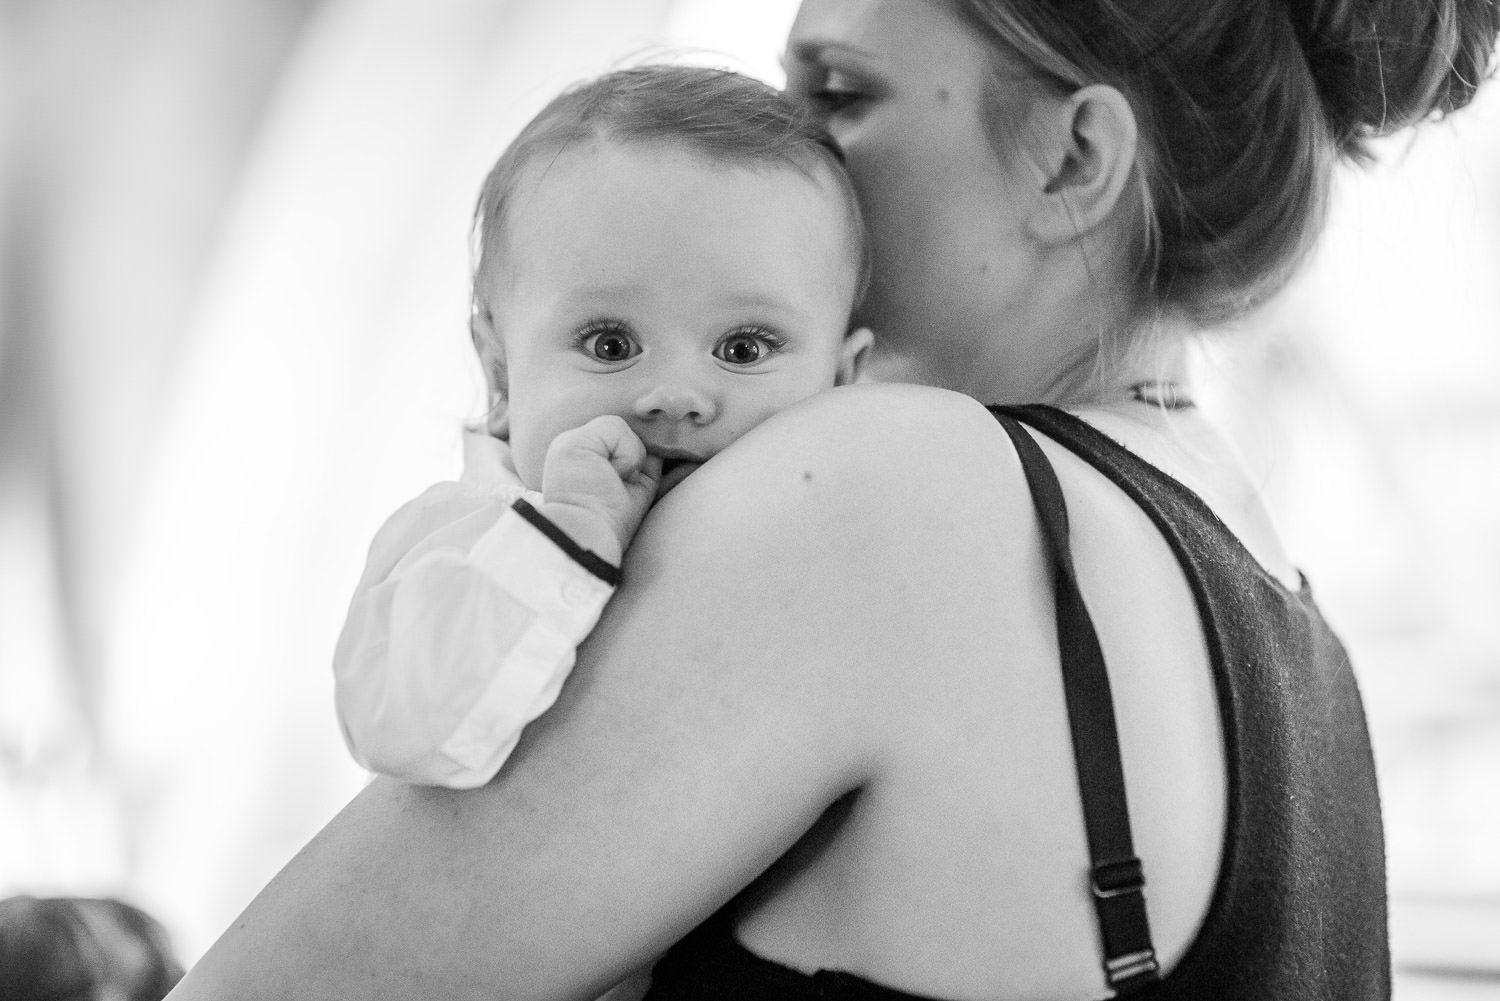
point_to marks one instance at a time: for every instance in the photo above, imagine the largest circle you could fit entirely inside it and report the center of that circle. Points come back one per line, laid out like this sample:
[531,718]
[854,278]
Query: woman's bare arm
[713,716]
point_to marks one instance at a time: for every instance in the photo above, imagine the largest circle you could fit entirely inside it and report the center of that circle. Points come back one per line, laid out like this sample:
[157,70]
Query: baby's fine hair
[723,117]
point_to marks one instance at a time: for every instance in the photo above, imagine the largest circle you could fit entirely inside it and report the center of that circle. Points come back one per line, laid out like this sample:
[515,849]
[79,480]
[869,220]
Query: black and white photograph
[749,500]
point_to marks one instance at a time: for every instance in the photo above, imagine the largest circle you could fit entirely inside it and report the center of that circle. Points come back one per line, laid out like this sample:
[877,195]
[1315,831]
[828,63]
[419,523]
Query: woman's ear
[491,351]
[853,355]
[1087,148]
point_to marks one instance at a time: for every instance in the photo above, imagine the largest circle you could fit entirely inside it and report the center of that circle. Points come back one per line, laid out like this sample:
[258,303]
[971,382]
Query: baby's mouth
[675,469]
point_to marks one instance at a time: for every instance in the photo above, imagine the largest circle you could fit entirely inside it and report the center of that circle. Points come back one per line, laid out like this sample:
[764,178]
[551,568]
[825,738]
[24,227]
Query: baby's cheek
[529,452]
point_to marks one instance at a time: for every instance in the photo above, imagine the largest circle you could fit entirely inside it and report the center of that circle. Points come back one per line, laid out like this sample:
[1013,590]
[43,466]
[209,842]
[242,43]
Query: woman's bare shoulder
[901,438]
[855,478]
[872,507]
[876,413]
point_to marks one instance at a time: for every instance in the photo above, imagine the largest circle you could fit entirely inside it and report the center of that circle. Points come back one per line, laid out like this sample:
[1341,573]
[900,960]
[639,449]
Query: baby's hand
[597,483]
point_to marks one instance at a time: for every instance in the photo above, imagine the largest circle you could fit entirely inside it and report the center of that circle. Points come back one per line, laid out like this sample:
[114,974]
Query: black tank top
[1299,910]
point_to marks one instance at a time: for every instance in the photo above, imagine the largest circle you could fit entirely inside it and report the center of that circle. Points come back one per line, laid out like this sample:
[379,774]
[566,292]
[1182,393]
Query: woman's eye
[609,343]
[836,93]
[745,347]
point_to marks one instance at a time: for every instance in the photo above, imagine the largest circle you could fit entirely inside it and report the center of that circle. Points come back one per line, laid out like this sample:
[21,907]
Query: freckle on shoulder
[854,427]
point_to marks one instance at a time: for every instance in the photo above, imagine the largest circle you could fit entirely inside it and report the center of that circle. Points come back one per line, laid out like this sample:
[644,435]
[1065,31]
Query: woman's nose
[676,402]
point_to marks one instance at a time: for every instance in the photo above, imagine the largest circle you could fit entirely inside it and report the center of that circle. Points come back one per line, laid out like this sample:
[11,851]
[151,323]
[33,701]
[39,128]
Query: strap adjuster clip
[1112,879]
[1122,971]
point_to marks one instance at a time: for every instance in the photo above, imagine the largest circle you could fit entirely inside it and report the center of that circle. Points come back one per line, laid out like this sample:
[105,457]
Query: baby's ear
[853,355]
[491,351]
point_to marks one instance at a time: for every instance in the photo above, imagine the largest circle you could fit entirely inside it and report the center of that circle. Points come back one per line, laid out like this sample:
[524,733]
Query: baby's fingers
[617,442]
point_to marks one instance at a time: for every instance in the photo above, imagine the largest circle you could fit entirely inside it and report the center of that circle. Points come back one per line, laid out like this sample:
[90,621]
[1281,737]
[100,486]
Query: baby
[667,256]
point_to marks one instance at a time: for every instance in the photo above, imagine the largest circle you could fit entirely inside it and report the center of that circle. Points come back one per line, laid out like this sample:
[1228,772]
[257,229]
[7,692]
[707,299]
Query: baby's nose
[676,402]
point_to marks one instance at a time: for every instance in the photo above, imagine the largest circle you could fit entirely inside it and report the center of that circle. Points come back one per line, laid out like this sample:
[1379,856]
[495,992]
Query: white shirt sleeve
[461,631]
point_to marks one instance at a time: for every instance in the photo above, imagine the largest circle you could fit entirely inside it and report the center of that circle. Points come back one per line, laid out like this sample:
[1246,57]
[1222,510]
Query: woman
[825,722]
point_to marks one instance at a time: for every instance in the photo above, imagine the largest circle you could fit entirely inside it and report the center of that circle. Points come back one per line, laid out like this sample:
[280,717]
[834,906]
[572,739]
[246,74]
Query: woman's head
[1217,144]
[1242,107]
[902,86]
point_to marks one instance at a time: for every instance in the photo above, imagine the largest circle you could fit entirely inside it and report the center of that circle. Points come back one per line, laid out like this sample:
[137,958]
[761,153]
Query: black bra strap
[1117,880]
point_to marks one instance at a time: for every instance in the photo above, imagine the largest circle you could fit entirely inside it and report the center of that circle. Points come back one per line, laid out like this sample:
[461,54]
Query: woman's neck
[1061,353]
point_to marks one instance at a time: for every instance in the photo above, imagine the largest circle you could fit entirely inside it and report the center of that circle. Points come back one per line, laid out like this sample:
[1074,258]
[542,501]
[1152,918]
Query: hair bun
[1381,65]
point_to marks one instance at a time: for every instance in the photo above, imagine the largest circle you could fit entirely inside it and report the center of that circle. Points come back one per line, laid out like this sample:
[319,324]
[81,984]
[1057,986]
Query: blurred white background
[233,337]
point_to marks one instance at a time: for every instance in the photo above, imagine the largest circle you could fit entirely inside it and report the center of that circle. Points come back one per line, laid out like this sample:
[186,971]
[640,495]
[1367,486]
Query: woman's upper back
[958,868]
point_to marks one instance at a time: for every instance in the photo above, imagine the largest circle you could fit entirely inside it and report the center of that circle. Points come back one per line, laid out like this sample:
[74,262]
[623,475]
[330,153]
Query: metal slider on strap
[1120,876]
[1121,971]
[1130,961]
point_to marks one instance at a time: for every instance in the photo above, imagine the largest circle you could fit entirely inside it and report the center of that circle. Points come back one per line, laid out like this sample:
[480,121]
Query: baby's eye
[609,342]
[747,346]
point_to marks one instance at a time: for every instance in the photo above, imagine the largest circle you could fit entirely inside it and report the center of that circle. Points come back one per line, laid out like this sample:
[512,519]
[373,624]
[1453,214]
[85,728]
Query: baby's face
[692,299]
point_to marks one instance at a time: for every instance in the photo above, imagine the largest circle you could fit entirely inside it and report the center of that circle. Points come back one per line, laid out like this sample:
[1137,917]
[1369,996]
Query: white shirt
[462,630]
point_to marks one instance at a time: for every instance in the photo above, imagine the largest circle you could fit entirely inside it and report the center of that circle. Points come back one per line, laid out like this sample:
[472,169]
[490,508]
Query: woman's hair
[723,117]
[1243,106]
[64,948]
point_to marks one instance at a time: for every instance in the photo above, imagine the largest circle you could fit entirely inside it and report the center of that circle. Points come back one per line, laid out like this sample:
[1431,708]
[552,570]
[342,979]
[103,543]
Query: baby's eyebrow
[754,299]
[616,292]
[761,302]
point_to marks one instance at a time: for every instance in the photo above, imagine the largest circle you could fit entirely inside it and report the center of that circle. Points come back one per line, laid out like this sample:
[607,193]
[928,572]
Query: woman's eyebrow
[811,50]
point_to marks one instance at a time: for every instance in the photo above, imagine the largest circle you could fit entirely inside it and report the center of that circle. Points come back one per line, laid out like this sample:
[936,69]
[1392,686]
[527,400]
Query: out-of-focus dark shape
[83,949]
